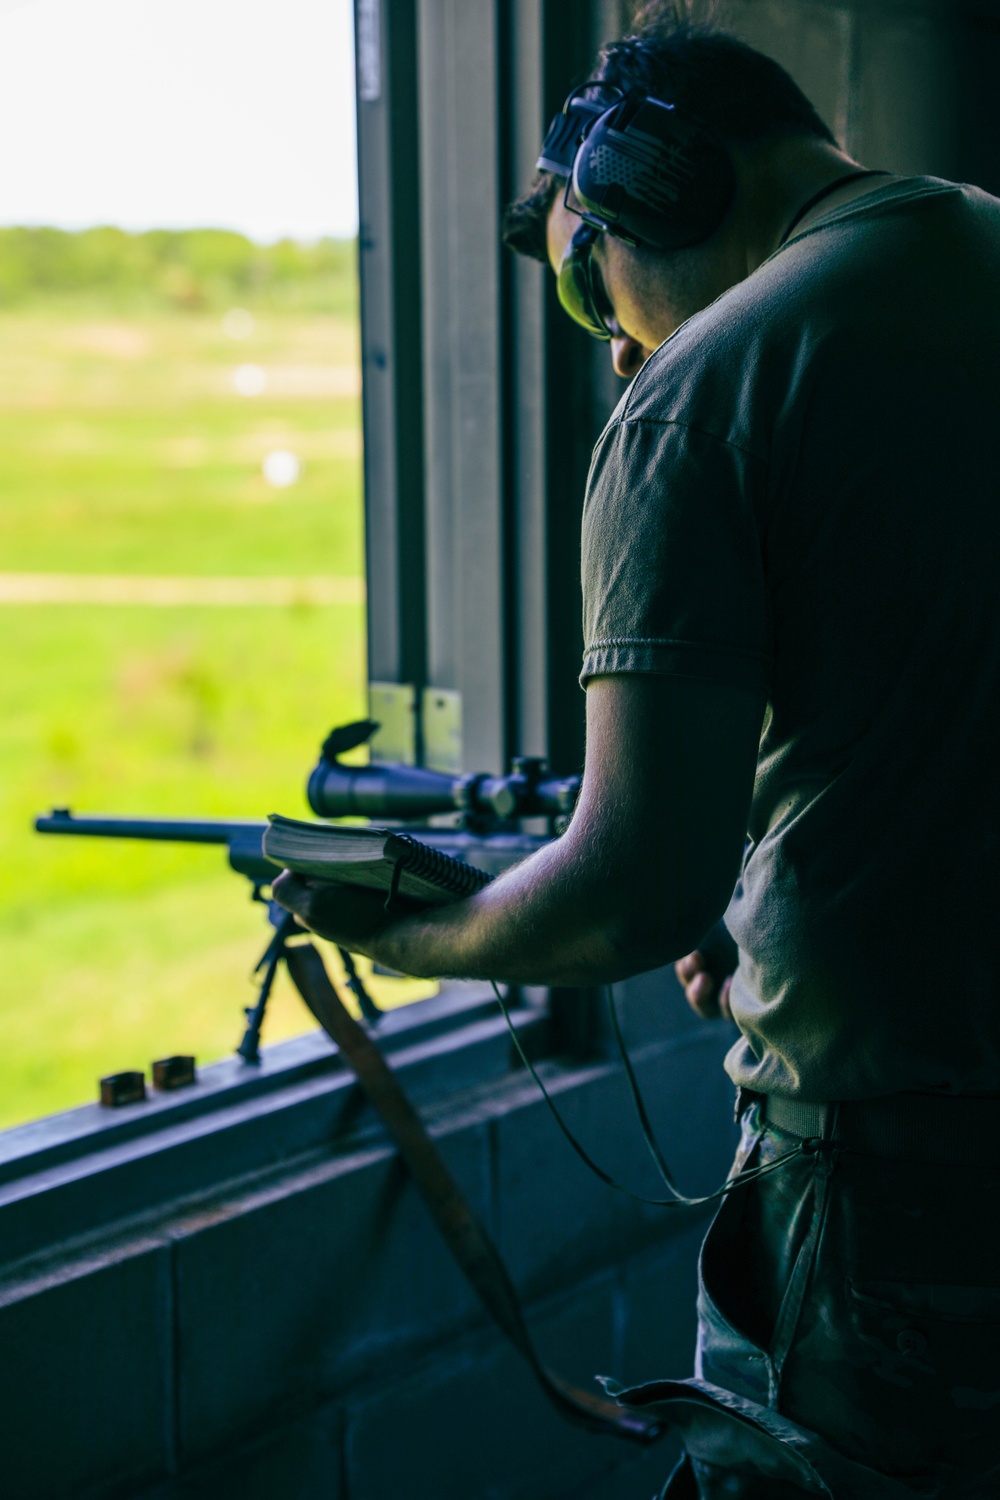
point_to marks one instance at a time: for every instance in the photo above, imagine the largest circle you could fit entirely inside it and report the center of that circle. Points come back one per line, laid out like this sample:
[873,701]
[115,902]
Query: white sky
[177,113]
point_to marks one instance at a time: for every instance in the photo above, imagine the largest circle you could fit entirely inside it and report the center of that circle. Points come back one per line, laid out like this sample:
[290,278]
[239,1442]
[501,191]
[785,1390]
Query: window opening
[181,592]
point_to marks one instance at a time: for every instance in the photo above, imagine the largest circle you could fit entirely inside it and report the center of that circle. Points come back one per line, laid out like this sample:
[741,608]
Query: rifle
[489,808]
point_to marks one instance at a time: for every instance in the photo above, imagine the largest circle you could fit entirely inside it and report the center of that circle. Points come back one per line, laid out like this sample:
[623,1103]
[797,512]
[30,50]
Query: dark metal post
[389,257]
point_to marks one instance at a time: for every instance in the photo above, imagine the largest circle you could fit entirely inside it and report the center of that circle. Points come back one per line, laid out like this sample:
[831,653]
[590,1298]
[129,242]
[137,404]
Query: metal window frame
[481,402]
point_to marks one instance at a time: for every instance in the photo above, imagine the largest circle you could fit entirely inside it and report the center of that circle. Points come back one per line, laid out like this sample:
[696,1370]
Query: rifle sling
[477,1256]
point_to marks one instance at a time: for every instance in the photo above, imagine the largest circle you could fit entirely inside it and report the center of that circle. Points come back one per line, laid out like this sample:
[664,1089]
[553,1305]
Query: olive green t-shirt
[801,491]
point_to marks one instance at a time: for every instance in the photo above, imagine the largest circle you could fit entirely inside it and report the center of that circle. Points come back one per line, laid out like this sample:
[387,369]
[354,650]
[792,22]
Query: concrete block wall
[297,1327]
[908,85]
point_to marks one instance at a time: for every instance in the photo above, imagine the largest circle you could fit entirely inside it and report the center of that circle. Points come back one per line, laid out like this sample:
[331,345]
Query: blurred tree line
[191,270]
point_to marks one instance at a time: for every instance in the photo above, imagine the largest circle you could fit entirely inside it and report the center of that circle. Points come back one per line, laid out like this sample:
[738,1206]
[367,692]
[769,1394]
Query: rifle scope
[392,791]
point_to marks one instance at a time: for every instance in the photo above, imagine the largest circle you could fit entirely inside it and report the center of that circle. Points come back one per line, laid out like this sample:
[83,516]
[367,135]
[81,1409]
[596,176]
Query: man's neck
[775,179]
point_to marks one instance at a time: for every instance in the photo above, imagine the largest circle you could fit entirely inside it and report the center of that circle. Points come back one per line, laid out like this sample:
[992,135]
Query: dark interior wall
[977,97]
[909,85]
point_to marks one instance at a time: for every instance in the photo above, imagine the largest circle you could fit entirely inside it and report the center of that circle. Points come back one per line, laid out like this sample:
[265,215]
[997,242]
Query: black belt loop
[744,1099]
[943,1129]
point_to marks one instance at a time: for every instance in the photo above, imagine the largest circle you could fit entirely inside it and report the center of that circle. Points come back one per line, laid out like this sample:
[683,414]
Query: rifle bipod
[285,927]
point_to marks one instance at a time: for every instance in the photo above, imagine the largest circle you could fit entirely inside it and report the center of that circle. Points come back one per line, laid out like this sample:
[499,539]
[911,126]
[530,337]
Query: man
[790,551]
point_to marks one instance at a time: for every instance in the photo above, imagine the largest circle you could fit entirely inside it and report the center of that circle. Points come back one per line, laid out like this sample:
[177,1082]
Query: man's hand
[345,914]
[702,989]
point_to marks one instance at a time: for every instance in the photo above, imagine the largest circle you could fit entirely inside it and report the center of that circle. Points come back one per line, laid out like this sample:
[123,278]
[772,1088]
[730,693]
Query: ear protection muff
[641,170]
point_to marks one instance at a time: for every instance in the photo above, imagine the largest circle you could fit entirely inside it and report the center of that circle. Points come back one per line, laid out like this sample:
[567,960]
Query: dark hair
[711,75]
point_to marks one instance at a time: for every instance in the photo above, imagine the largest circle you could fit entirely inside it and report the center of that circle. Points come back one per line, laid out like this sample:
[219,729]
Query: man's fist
[345,914]
[702,990]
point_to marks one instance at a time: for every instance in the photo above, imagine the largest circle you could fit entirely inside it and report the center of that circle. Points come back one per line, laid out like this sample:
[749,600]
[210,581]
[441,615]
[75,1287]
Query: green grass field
[125,449]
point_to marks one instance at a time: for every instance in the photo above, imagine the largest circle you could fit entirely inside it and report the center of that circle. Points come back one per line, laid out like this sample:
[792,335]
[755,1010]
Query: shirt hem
[711,663]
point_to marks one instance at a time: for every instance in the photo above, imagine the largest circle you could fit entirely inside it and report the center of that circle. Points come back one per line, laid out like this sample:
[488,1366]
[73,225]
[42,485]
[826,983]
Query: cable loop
[677,1198]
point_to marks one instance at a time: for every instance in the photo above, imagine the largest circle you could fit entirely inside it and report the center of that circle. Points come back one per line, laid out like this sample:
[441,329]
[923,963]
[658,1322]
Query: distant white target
[281,468]
[239,324]
[249,380]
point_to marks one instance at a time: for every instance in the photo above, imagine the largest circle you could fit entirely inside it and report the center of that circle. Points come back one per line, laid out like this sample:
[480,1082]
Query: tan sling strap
[471,1246]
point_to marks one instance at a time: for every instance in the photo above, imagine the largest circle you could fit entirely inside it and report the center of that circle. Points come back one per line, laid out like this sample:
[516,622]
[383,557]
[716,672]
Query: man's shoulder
[731,369]
[701,378]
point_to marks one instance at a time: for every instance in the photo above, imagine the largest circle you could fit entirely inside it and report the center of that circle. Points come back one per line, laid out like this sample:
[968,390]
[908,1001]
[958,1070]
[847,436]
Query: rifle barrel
[244,839]
[166,830]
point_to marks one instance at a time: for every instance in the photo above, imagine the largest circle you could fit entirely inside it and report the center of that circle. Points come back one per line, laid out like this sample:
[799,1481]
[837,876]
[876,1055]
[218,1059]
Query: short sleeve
[673,578]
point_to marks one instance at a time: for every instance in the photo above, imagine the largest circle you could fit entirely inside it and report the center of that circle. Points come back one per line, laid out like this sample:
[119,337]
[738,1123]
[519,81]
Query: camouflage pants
[849,1332]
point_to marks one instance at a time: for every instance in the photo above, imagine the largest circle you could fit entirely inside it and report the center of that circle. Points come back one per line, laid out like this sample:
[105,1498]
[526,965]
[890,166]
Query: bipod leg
[285,925]
[355,984]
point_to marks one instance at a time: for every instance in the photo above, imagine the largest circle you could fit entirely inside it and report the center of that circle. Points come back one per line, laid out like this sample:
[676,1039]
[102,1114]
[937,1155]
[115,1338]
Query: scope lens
[579,288]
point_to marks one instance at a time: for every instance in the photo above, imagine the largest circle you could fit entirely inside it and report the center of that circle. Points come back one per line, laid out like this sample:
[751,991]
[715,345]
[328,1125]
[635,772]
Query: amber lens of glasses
[578,293]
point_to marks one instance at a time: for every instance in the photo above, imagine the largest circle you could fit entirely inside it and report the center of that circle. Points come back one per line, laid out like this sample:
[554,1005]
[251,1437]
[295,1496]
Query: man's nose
[628,357]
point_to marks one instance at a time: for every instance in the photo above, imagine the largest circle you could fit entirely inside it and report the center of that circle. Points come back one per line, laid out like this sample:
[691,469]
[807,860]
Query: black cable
[677,1200]
[645,1124]
[825,192]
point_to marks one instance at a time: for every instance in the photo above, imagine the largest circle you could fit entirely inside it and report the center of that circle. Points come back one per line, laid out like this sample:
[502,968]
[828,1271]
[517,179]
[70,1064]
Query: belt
[942,1129]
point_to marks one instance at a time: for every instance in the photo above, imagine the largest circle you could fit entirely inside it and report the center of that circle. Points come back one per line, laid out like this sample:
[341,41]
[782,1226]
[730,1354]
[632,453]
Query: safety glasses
[580,291]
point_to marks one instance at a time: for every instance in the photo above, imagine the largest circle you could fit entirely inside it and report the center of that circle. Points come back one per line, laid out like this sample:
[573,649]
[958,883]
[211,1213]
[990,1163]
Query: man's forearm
[574,913]
[541,923]
[568,915]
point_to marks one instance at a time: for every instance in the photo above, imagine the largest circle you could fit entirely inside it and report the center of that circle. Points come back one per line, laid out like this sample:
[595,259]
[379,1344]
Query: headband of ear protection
[639,169]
